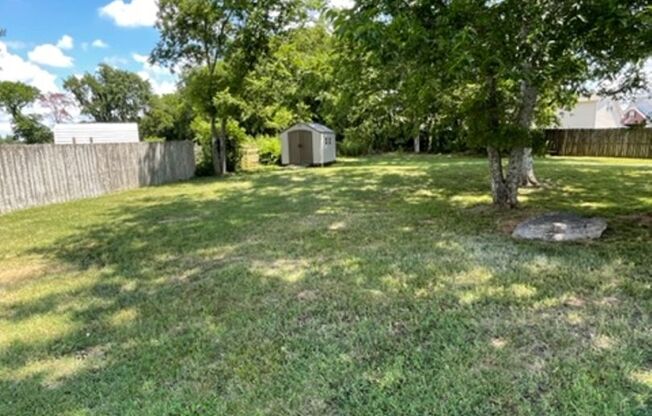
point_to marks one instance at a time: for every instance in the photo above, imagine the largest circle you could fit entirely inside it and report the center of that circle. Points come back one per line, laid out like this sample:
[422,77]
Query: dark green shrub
[236,136]
[352,147]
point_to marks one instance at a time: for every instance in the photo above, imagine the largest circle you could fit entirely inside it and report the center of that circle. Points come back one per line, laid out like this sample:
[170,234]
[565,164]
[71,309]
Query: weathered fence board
[250,159]
[601,142]
[32,175]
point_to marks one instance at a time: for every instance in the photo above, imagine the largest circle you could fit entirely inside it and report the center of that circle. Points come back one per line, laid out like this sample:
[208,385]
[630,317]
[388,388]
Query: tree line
[430,75]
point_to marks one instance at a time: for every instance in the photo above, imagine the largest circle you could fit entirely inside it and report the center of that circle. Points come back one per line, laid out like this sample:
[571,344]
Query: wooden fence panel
[32,175]
[636,143]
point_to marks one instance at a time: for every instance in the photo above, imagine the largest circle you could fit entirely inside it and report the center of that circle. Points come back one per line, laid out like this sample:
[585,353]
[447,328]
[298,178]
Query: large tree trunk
[504,188]
[417,144]
[215,149]
[529,98]
[218,143]
[528,178]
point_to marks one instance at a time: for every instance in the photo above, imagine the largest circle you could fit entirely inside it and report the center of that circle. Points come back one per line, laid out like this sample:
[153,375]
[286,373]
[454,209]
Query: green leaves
[14,96]
[111,94]
[30,129]
[168,117]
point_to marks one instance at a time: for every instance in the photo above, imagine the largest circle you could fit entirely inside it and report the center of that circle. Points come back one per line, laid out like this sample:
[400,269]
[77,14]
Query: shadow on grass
[370,287]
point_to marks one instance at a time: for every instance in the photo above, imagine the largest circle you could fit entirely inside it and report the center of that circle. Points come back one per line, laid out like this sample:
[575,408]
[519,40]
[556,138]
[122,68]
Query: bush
[269,150]
[236,137]
[204,158]
[352,147]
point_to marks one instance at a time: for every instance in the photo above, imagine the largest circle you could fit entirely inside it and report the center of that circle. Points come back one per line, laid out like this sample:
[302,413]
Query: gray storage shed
[308,144]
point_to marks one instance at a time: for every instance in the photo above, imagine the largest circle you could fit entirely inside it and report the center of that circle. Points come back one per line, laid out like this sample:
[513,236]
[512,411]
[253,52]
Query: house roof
[320,128]
[644,105]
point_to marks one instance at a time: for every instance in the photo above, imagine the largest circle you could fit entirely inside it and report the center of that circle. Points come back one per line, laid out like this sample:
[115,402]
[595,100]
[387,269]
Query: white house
[96,133]
[592,113]
[308,144]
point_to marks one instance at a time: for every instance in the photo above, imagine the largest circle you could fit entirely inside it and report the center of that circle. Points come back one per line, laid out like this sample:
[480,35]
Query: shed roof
[320,128]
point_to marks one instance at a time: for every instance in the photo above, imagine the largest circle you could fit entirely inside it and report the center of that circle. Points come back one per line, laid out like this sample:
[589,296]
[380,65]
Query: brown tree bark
[504,187]
[218,147]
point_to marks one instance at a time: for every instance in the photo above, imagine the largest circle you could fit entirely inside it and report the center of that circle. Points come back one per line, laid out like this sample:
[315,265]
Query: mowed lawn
[377,286]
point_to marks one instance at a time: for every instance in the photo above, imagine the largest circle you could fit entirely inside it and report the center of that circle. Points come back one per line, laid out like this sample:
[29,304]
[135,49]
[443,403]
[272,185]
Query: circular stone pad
[560,226]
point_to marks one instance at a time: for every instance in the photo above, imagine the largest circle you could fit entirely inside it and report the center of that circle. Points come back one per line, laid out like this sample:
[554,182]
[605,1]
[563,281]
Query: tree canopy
[14,96]
[168,117]
[111,94]
[218,36]
[501,65]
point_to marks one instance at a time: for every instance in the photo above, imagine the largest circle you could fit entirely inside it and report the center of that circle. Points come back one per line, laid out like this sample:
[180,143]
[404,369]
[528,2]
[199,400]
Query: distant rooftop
[644,105]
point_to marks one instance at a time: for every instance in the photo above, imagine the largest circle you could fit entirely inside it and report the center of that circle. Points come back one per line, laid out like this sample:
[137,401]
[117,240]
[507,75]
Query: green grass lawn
[377,286]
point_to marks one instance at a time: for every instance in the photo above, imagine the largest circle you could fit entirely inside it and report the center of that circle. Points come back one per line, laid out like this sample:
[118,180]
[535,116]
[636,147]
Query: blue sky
[47,41]
[64,38]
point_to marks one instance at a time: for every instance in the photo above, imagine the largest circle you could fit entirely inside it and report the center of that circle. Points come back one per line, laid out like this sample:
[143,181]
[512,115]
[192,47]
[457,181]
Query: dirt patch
[643,220]
[13,273]
[482,209]
[307,295]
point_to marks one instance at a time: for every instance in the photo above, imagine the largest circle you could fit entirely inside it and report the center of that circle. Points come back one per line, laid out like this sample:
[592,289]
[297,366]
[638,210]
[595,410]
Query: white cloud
[134,13]
[5,124]
[66,42]
[161,79]
[141,59]
[115,61]
[99,43]
[15,68]
[51,55]
[160,87]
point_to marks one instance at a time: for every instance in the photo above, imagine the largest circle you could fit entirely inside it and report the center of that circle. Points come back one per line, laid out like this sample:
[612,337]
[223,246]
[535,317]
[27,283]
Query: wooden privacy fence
[32,175]
[635,142]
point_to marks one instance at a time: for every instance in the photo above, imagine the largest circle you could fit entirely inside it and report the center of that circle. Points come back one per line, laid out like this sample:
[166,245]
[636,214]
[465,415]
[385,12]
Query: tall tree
[59,106]
[391,88]
[543,53]
[206,33]
[293,83]
[507,60]
[14,96]
[111,94]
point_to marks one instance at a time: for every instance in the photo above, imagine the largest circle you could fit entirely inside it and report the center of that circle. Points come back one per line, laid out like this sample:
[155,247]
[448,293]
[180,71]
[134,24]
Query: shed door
[300,143]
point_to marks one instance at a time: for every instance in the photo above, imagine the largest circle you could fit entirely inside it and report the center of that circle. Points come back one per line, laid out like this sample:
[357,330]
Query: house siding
[96,133]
